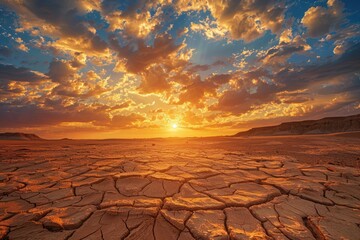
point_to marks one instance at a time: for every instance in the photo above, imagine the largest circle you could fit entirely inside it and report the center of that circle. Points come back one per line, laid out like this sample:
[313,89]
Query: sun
[174,126]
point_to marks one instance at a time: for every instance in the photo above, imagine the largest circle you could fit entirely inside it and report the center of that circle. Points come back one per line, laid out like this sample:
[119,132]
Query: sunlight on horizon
[174,68]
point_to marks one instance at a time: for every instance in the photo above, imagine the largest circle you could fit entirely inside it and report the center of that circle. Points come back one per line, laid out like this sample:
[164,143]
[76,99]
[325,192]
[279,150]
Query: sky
[174,68]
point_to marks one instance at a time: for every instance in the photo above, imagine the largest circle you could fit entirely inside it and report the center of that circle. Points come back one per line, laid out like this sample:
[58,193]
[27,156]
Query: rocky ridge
[325,125]
[19,136]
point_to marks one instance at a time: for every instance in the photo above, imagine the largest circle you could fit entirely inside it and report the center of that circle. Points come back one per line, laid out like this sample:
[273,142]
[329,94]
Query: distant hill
[321,126]
[19,136]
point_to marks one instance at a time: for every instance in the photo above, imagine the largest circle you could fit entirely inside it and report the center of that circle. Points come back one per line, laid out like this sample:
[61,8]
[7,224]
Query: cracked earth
[216,188]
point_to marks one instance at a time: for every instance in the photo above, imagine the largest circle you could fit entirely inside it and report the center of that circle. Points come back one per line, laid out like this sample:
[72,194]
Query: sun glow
[174,126]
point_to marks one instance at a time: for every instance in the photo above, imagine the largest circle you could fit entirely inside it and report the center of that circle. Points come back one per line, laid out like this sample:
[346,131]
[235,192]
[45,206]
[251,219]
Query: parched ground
[206,188]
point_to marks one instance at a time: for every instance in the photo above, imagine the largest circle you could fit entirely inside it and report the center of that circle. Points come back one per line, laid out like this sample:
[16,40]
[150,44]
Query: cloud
[188,5]
[71,82]
[21,46]
[80,93]
[342,46]
[287,46]
[300,96]
[11,90]
[320,20]
[349,85]
[339,49]
[135,64]
[210,29]
[335,77]
[204,67]
[64,21]
[154,80]
[344,34]
[219,79]
[123,105]
[197,91]
[32,115]
[247,98]
[62,71]
[246,20]
[54,112]
[126,121]
[136,57]
[156,65]
[138,19]
[347,64]
[21,74]
[5,51]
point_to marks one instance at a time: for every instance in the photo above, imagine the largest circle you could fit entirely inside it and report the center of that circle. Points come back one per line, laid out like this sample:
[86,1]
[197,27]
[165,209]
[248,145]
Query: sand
[294,187]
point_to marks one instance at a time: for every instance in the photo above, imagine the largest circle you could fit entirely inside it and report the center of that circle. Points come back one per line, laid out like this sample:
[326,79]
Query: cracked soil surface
[207,188]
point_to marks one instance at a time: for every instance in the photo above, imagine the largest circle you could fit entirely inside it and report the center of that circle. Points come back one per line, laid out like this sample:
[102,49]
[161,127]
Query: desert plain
[289,187]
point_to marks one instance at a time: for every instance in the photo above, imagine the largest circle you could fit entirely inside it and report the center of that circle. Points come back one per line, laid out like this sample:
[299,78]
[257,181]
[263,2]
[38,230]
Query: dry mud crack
[173,190]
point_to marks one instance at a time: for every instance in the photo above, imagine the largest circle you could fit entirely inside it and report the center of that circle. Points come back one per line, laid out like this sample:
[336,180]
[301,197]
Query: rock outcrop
[19,136]
[321,126]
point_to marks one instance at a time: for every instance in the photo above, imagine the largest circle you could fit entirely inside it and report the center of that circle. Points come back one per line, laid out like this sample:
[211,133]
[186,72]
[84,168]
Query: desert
[277,187]
[179,120]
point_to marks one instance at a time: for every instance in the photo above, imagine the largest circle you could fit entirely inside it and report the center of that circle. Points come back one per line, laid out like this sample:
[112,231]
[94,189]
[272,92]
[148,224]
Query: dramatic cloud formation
[133,68]
[10,73]
[286,47]
[137,55]
[320,20]
[246,20]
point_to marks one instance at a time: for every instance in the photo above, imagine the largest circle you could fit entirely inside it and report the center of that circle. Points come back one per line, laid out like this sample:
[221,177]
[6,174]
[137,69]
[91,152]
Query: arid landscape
[179,120]
[286,187]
